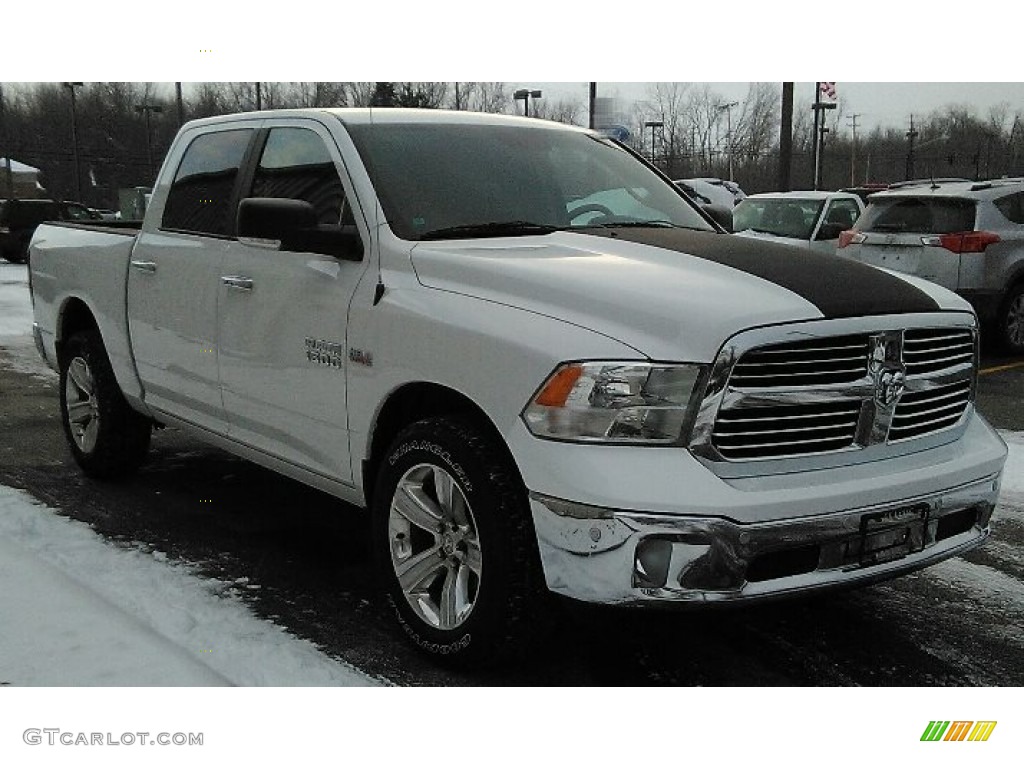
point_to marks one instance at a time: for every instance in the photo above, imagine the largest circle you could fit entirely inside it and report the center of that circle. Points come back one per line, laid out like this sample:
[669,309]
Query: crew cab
[533,360]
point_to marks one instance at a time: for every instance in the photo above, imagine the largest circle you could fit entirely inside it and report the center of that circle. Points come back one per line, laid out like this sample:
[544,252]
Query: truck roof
[390,115]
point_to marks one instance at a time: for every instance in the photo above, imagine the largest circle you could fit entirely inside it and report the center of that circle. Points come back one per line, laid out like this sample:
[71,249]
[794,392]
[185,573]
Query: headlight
[634,403]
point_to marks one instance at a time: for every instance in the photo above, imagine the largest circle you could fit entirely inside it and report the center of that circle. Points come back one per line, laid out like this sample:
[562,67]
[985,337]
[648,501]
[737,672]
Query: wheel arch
[413,402]
[74,316]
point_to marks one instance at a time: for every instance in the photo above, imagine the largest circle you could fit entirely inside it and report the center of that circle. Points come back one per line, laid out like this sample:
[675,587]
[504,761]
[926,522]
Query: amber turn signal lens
[557,390]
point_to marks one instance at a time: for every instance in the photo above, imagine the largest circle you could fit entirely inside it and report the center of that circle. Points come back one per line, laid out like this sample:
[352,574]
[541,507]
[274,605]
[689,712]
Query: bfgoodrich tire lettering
[454,542]
[107,438]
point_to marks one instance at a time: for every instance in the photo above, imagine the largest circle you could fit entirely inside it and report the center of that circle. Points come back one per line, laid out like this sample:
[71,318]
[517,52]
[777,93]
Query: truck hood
[671,294]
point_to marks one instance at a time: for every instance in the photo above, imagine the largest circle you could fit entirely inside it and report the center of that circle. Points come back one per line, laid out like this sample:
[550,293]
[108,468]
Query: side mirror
[294,224]
[829,231]
[721,215]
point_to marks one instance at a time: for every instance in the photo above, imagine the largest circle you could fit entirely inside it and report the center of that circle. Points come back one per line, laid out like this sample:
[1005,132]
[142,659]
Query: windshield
[452,180]
[784,217]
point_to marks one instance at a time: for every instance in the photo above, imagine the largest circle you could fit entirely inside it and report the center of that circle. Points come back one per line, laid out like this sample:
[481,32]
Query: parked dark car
[19,219]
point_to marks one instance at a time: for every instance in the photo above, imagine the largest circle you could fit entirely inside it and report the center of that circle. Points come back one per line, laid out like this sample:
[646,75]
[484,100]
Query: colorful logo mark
[958,730]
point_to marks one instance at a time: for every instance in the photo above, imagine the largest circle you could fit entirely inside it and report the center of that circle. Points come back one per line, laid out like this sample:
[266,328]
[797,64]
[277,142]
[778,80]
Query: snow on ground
[77,610]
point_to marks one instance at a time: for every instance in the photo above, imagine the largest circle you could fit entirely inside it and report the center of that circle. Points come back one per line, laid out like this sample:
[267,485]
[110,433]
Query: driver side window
[296,164]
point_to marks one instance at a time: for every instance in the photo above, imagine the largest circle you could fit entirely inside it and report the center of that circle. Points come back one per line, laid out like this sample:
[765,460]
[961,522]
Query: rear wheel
[455,544]
[107,438]
[1011,320]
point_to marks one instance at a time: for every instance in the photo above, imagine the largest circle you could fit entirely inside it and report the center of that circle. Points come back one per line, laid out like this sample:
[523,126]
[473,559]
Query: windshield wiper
[490,229]
[622,224]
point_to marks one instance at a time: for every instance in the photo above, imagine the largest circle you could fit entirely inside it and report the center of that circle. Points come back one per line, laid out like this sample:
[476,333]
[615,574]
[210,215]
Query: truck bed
[86,262]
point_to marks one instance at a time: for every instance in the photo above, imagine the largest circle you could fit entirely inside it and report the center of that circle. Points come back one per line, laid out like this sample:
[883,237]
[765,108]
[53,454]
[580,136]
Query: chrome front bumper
[625,557]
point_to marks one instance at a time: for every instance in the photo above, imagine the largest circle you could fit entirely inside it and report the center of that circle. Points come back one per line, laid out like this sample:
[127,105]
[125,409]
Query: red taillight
[850,237]
[963,242]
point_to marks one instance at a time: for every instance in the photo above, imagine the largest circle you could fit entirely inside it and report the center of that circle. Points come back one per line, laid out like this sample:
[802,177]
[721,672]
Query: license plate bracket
[890,534]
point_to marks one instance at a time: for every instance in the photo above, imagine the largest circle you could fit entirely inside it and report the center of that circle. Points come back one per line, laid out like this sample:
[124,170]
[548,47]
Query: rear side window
[1012,207]
[200,196]
[296,164]
[932,215]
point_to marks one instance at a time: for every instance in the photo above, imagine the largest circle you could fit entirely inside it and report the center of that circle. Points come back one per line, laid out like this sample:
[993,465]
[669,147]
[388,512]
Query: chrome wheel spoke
[81,376]
[444,487]
[415,506]
[80,412]
[89,435]
[449,602]
[418,569]
[472,558]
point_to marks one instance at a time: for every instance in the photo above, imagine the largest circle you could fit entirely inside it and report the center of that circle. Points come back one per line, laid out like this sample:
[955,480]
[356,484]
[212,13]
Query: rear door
[283,314]
[899,230]
[174,277]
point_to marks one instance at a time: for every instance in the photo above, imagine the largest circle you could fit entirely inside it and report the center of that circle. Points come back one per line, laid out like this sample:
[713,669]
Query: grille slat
[803,429]
[923,413]
[809,363]
[928,350]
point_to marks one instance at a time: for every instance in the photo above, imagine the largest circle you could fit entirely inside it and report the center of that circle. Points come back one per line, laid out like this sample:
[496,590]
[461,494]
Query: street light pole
[74,137]
[148,109]
[728,130]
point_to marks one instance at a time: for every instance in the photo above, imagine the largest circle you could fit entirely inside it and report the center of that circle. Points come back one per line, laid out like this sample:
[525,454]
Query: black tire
[118,437]
[1010,323]
[507,591]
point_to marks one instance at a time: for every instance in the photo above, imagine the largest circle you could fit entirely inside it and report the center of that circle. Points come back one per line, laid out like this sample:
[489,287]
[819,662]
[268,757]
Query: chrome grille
[803,363]
[787,430]
[810,392]
[927,350]
[920,413]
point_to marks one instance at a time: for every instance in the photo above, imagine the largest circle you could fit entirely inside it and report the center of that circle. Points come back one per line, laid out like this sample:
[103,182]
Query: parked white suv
[965,236]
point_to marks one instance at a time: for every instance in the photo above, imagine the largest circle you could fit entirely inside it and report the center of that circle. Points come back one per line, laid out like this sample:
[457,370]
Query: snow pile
[79,611]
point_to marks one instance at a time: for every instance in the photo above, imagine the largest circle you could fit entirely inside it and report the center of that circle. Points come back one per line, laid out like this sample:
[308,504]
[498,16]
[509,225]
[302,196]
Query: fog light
[651,566]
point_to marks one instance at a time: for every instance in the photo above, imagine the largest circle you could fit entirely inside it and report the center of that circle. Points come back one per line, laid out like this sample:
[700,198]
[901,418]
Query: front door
[282,326]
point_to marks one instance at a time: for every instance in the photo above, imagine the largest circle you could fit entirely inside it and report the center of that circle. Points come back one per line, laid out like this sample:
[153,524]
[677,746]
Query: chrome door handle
[238,282]
[144,266]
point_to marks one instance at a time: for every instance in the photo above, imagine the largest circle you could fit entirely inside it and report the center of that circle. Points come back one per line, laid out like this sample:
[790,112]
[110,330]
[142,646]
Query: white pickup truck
[538,365]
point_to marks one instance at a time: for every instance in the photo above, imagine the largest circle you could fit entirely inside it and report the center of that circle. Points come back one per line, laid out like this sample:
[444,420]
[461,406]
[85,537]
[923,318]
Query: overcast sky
[911,54]
[885,104]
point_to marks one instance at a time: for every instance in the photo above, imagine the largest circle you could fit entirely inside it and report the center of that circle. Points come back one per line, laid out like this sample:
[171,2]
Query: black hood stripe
[836,285]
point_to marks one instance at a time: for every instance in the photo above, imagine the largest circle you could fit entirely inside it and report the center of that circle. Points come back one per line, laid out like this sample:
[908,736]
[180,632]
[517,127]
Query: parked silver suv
[965,236]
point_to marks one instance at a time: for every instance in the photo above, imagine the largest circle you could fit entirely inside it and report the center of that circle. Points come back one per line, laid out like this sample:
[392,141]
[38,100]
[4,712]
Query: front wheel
[455,543]
[1011,321]
[107,438]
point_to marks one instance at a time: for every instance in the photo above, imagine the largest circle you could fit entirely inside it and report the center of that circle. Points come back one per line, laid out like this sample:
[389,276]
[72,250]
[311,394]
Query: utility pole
[853,153]
[817,125]
[148,109]
[74,137]
[458,100]
[9,175]
[181,104]
[259,96]
[593,105]
[652,124]
[911,135]
[728,130]
[786,138]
